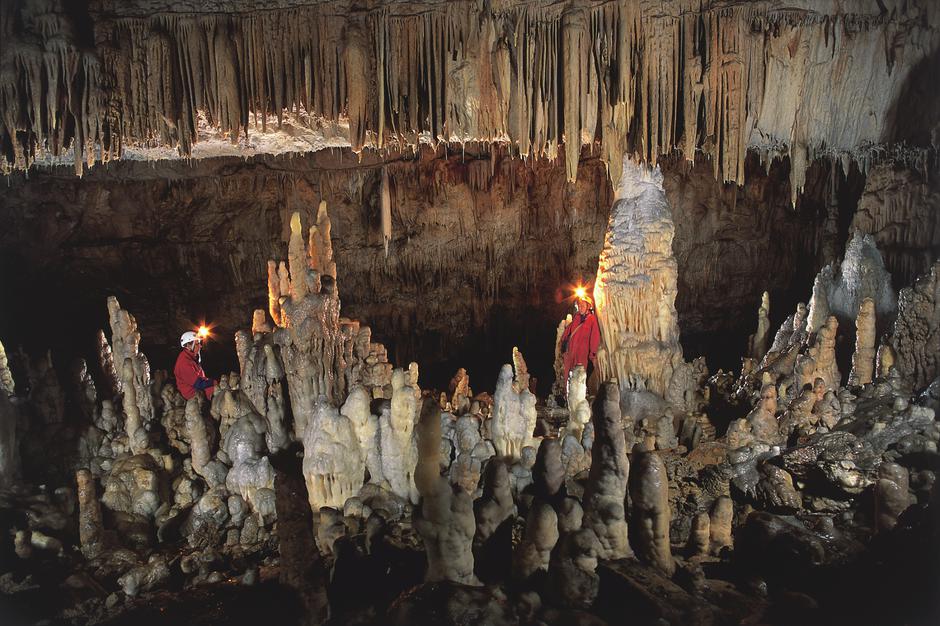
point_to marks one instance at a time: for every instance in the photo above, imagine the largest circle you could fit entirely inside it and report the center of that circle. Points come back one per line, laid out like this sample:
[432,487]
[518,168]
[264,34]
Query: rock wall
[482,245]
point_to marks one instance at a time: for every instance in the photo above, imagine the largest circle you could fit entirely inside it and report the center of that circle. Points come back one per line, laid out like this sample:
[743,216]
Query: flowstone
[635,290]
[332,465]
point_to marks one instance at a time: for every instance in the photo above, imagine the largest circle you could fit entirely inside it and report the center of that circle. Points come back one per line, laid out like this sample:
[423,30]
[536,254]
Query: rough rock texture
[635,289]
[649,511]
[606,490]
[900,209]
[863,359]
[916,334]
[333,466]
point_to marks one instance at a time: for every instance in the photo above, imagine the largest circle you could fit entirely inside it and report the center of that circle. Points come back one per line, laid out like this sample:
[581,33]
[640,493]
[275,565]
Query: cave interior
[512,312]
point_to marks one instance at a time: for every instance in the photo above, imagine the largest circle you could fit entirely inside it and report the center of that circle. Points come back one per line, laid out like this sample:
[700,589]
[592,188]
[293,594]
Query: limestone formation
[332,465]
[560,386]
[720,523]
[606,491]
[863,360]
[649,513]
[262,381]
[366,426]
[840,288]
[251,475]
[823,353]
[891,495]
[124,349]
[757,343]
[512,423]
[520,381]
[635,290]
[397,439]
[445,517]
[496,505]
[572,576]
[534,551]
[579,409]
[90,527]
[916,334]
[700,535]
[305,307]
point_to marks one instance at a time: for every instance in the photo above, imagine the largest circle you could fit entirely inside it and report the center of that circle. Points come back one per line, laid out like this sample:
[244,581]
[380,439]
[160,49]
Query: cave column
[635,290]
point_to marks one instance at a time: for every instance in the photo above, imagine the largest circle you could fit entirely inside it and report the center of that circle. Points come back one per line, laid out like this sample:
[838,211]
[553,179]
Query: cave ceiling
[87,82]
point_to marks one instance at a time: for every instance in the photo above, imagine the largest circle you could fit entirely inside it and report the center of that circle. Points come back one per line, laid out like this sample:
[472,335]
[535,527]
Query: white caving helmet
[188,337]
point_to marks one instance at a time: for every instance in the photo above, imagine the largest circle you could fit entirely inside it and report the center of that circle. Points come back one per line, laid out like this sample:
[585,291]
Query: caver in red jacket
[190,377]
[583,336]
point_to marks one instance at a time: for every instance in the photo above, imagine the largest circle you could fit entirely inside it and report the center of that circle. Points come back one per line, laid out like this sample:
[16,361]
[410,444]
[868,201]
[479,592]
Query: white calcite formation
[133,420]
[262,381]
[251,475]
[720,524]
[635,290]
[90,526]
[397,439]
[304,304]
[332,465]
[366,426]
[840,287]
[125,347]
[606,490]
[579,409]
[863,359]
[513,419]
[823,353]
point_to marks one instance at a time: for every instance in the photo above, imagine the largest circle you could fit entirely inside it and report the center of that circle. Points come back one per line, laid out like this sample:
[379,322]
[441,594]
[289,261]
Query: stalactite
[674,74]
[386,208]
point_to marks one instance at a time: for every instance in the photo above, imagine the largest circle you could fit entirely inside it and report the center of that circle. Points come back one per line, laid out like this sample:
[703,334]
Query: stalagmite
[512,422]
[700,535]
[124,350]
[757,343]
[309,336]
[397,439]
[444,518]
[891,495]
[133,421]
[520,372]
[863,360]
[496,505]
[332,466]
[90,527]
[560,385]
[649,512]
[572,576]
[607,482]
[579,409]
[635,291]
[720,522]
[823,353]
[251,475]
[840,288]
[534,551]
[366,426]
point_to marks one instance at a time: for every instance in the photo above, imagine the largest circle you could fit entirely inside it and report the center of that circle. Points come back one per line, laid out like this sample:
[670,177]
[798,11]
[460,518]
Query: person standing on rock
[580,340]
[190,377]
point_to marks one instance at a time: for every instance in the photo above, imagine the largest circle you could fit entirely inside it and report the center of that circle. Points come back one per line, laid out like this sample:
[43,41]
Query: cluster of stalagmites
[634,481]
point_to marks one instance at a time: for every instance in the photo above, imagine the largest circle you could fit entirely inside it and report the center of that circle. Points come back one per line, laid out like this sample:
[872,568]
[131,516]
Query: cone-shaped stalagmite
[649,512]
[607,481]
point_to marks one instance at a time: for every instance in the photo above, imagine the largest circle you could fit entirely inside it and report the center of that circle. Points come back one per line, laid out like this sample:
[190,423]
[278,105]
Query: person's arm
[203,383]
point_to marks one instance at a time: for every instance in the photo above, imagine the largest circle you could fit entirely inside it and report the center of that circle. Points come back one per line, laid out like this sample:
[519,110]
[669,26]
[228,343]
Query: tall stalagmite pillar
[635,290]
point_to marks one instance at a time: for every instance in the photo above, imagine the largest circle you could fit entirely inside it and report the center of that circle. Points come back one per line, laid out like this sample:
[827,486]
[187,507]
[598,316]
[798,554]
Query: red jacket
[583,336]
[190,377]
